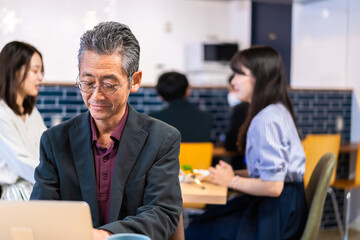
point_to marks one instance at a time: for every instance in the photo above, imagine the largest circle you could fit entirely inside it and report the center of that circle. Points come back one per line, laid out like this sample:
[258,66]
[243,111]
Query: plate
[200,174]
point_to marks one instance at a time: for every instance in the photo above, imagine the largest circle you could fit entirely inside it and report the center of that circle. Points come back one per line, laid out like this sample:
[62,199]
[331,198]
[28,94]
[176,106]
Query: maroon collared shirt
[104,166]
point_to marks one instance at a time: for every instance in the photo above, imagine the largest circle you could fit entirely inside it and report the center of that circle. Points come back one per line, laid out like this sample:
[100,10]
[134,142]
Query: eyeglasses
[105,88]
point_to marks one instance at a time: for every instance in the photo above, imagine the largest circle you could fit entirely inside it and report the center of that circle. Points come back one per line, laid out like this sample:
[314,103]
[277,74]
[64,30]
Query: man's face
[106,69]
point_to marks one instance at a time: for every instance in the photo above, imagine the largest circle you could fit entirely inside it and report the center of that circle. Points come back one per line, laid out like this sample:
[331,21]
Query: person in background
[124,164]
[232,97]
[193,123]
[238,117]
[272,204]
[21,125]
[239,110]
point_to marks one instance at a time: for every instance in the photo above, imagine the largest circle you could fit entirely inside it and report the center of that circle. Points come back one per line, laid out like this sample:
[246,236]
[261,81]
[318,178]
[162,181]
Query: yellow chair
[197,155]
[315,146]
[347,185]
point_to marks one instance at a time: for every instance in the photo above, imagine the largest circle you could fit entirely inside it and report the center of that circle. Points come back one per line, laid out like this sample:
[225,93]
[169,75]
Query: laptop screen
[44,220]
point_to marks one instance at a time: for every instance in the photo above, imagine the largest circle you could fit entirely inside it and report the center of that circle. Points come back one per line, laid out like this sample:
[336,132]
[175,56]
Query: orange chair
[315,146]
[347,185]
[198,156]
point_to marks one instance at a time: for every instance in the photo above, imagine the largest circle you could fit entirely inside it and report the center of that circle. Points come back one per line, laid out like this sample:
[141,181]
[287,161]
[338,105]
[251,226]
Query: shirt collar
[116,134]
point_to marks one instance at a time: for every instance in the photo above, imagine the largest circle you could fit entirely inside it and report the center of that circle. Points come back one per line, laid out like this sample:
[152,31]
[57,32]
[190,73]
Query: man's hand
[99,234]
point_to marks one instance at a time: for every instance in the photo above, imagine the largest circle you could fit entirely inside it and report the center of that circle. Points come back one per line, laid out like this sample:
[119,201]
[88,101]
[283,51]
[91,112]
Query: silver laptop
[45,220]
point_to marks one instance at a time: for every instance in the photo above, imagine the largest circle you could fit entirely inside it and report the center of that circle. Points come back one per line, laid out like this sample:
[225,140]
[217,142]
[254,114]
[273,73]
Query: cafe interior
[317,39]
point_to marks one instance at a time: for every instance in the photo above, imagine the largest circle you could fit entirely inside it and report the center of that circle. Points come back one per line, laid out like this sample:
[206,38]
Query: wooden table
[222,152]
[346,147]
[212,194]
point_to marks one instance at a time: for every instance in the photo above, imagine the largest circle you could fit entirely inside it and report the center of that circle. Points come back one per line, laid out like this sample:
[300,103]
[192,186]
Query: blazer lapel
[81,147]
[131,142]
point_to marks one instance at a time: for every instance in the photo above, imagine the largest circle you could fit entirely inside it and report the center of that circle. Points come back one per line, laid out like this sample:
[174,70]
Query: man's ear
[136,81]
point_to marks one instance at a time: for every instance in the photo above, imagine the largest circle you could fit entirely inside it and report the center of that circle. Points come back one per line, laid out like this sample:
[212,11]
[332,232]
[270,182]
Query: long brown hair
[267,67]
[13,57]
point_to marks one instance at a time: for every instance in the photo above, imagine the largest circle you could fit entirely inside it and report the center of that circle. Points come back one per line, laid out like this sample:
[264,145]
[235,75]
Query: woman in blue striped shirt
[272,204]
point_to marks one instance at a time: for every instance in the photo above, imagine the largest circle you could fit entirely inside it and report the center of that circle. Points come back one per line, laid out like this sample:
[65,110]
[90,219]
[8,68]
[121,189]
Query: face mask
[232,99]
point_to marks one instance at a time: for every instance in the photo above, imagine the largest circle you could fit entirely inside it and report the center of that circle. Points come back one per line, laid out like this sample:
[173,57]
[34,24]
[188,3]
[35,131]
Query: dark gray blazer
[146,196]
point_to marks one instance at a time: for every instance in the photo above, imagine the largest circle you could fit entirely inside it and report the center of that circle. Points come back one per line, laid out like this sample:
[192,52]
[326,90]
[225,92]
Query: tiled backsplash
[317,111]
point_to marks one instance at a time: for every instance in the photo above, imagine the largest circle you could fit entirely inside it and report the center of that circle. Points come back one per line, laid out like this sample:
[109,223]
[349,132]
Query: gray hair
[112,38]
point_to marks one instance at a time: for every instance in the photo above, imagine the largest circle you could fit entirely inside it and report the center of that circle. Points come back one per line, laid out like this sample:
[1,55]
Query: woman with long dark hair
[272,200]
[21,125]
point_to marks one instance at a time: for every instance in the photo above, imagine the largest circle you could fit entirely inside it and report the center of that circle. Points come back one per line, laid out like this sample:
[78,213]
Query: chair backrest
[315,146]
[198,155]
[315,194]
[357,168]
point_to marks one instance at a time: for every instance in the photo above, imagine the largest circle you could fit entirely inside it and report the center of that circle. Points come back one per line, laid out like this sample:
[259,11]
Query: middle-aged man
[122,163]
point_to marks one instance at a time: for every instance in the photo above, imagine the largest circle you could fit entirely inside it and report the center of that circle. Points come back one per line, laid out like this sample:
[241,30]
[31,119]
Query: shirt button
[105,159]
[105,176]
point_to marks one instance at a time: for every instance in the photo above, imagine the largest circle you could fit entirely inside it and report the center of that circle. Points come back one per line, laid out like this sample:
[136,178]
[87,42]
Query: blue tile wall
[316,112]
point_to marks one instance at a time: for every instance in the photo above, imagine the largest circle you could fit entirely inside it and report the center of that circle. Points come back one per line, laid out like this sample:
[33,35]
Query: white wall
[326,49]
[319,43]
[163,28]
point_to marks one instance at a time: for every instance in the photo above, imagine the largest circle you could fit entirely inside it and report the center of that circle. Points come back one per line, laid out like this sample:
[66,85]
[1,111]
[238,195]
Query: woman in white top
[21,125]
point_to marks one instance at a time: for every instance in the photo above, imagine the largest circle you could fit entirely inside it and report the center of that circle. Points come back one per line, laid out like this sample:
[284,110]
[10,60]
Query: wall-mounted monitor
[207,63]
[207,56]
[219,51]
